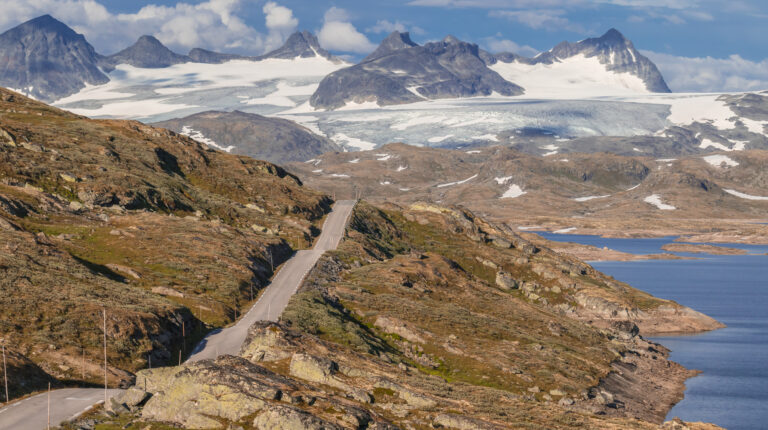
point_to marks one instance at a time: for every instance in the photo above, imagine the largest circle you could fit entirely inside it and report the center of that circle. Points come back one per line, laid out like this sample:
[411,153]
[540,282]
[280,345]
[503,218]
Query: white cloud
[547,19]
[339,34]
[496,44]
[212,24]
[280,22]
[384,26]
[707,74]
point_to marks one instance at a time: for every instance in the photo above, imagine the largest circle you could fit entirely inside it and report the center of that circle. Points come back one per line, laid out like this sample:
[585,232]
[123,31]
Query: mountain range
[49,61]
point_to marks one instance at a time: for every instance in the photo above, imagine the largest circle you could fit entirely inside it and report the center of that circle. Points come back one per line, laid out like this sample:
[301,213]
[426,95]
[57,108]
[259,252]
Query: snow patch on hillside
[745,196]
[655,200]
[513,192]
[458,182]
[198,136]
[588,198]
[719,160]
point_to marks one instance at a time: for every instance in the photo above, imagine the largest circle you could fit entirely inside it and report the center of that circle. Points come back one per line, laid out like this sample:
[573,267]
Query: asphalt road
[31,413]
[275,297]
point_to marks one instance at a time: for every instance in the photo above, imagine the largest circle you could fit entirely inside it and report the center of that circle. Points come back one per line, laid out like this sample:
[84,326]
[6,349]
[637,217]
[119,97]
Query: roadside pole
[5,376]
[105,358]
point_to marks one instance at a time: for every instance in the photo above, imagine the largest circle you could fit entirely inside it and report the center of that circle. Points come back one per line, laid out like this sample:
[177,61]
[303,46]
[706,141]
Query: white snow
[198,136]
[401,168]
[355,161]
[282,96]
[706,143]
[339,175]
[588,198]
[529,227]
[359,106]
[574,77]
[666,160]
[317,171]
[438,139]
[745,196]
[633,188]
[565,230]
[512,192]
[383,157]
[385,183]
[502,180]
[354,142]
[458,182]
[404,189]
[118,97]
[719,160]
[474,152]
[491,137]
[655,199]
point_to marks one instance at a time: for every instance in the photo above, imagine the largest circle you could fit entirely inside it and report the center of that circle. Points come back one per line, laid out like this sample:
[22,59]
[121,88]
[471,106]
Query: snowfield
[720,160]
[449,184]
[198,136]
[588,198]
[571,78]
[745,196]
[514,191]
[655,200]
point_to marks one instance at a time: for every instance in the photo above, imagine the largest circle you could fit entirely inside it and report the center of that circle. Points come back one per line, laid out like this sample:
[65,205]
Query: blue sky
[701,45]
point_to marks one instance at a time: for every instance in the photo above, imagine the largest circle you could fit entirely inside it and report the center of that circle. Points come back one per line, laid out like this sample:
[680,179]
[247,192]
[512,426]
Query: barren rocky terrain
[721,197]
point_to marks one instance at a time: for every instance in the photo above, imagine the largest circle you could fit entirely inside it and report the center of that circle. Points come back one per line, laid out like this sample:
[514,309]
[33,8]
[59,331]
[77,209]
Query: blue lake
[732,390]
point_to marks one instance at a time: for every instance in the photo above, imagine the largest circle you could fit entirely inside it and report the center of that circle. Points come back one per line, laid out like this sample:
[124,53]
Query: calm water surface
[732,390]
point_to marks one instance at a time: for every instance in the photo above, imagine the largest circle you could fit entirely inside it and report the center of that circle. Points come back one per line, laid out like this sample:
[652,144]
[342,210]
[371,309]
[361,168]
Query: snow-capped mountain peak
[609,64]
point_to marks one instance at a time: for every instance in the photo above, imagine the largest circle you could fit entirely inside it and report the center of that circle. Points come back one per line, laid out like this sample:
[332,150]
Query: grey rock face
[199,55]
[272,139]
[612,49]
[300,44]
[400,71]
[148,53]
[47,60]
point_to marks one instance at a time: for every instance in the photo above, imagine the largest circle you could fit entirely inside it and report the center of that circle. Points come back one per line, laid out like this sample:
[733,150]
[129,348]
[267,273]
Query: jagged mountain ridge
[46,59]
[400,71]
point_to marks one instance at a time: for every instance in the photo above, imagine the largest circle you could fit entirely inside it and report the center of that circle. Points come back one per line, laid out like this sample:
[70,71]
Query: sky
[699,45]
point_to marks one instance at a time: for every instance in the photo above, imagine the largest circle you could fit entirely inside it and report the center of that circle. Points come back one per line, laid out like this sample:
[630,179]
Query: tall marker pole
[105,357]
[5,376]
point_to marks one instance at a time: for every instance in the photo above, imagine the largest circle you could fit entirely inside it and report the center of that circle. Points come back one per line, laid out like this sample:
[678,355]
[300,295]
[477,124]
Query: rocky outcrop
[273,139]
[229,387]
[399,71]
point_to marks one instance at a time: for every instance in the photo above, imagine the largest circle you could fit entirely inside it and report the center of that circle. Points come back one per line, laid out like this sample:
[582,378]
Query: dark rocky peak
[47,24]
[454,46]
[394,42]
[147,52]
[299,45]
[46,59]
[200,55]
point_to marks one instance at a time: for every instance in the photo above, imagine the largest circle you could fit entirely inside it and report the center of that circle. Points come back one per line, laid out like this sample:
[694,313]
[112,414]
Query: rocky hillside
[272,139]
[171,237]
[429,317]
[594,192]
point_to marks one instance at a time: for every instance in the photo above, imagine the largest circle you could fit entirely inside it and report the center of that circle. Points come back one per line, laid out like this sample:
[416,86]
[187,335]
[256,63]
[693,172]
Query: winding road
[66,404]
